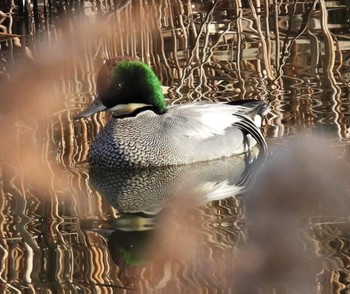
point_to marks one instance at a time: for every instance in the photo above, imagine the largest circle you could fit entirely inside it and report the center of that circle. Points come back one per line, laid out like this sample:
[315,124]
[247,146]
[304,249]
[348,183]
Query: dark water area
[255,223]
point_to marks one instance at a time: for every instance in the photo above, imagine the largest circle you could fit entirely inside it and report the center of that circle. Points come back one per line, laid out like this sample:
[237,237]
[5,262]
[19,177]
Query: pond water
[255,223]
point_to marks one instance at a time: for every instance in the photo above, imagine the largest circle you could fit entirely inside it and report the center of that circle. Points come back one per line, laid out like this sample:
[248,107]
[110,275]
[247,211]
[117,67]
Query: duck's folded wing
[204,120]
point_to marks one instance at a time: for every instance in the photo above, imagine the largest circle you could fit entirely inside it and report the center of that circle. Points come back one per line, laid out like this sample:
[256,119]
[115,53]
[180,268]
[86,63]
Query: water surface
[68,229]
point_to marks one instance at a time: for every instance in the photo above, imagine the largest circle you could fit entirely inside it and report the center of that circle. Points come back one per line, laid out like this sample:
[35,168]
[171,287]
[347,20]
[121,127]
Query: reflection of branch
[315,56]
[286,45]
[329,47]
[187,68]
[265,54]
[239,54]
[209,53]
[117,9]
[181,15]
[3,16]
[328,67]
[6,36]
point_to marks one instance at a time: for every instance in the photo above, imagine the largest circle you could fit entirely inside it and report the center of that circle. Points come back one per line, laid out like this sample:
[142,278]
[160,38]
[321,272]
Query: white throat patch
[123,109]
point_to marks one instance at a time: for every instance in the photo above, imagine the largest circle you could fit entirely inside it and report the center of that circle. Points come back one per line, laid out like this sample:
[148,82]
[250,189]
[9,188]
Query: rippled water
[66,228]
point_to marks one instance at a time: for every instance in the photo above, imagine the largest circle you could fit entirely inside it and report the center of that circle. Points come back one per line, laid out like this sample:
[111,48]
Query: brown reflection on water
[55,228]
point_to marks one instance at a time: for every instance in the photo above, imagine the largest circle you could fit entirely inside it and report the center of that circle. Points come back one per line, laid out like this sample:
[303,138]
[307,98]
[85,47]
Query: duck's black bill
[95,107]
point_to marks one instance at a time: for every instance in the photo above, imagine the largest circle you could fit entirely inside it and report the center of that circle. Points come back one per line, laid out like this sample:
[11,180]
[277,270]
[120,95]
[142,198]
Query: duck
[144,132]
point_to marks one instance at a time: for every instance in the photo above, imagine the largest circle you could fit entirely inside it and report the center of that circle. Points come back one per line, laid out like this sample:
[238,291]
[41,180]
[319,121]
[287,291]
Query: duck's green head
[126,86]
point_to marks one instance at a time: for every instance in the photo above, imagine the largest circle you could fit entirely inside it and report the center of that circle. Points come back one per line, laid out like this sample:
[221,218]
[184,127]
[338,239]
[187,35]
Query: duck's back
[184,134]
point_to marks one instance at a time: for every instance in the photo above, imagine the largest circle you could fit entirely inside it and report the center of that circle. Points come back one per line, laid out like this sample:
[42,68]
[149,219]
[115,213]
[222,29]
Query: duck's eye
[118,85]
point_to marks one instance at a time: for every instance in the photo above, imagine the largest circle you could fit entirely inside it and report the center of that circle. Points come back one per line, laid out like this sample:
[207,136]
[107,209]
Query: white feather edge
[209,119]
[217,190]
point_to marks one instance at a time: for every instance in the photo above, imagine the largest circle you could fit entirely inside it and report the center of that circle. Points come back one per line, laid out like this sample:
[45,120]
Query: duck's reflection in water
[149,190]
[151,201]
[171,245]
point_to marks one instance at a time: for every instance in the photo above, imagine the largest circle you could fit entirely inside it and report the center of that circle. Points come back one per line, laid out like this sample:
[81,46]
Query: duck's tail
[252,114]
[255,109]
